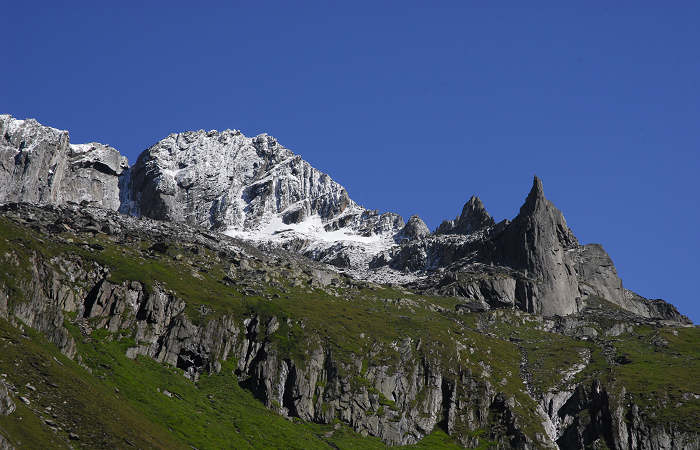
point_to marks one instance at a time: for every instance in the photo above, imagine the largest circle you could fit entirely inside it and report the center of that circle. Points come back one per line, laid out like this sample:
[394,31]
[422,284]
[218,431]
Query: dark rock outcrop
[597,275]
[473,218]
[415,229]
[5,444]
[539,242]
[533,263]
[7,405]
[596,415]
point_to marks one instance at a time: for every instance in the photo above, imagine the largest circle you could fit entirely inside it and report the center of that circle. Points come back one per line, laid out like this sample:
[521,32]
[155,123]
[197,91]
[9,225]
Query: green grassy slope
[114,402]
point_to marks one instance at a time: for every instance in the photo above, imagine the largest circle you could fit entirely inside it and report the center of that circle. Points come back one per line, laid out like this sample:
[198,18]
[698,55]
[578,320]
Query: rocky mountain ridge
[255,189]
[230,258]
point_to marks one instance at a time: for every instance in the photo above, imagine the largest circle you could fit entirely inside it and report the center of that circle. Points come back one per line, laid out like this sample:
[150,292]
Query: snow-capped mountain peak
[254,188]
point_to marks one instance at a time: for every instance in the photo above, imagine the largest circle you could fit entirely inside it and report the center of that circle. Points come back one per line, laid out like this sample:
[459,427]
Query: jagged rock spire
[535,199]
[538,214]
[536,243]
[474,217]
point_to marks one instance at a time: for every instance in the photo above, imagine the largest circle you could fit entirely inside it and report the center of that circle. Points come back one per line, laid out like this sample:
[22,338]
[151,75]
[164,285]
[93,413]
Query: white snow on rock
[355,251]
[255,189]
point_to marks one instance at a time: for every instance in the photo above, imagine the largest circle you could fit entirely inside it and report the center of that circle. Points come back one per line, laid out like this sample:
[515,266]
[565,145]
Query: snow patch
[273,228]
[357,248]
[81,148]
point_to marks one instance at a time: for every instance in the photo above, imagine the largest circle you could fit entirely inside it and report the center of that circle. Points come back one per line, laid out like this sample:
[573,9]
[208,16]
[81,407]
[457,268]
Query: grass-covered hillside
[476,379]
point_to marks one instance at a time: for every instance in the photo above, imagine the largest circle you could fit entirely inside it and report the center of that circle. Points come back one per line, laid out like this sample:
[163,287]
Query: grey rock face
[256,189]
[612,421]
[473,218]
[7,406]
[30,157]
[597,274]
[538,264]
[94,176]
[253,187]
[539,242]
[653,309]
[597,277]
[5,444]
[431,252]
[536,253]
[38,165]
[224,179]
[415,229]
[48,295]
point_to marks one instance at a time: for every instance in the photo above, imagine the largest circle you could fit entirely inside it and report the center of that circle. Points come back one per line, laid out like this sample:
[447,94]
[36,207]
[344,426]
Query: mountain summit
[473,218]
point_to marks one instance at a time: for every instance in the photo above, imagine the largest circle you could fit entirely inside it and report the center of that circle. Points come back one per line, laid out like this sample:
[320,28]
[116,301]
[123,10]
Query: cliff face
[538,242]
[39,165]
[226,180]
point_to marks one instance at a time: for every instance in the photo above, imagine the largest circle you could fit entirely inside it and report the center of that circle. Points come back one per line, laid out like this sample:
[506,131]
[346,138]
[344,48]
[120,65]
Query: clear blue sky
[412,106]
